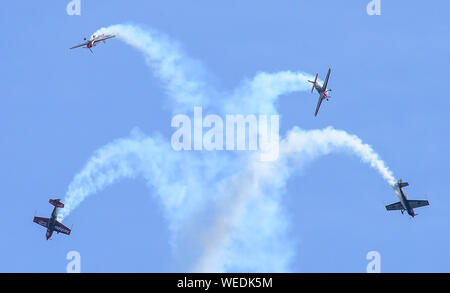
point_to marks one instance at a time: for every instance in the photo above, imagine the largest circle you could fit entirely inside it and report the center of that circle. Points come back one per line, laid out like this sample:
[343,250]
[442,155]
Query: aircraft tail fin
[313,82]
[403,184]
[56,202]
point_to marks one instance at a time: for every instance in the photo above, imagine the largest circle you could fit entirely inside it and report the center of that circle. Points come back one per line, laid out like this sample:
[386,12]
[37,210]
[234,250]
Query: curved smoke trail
[314,143]
[265,181]
[184,79]
[189,183]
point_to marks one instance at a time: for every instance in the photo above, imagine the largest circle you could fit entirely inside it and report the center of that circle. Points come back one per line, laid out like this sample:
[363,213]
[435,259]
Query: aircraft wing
[318,104]
[80,45]
[41,221]
[326,80]
[395,206]
[418,203]
[60,228]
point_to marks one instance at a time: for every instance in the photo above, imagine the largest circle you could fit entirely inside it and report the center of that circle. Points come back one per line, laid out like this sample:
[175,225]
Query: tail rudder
[313,82]
[403,184]
[56,202]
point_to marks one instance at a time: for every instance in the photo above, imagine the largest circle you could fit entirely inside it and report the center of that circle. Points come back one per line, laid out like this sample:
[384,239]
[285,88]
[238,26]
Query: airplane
[93,41]
[51,223]
[405,204]
[322,90]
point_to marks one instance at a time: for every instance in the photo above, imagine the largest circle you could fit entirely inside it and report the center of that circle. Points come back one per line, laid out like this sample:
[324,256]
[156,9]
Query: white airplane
[92,42]
[321,89]
[405,204]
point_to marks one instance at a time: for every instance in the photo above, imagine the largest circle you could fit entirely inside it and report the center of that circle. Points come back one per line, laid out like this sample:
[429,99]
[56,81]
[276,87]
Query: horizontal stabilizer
[56,202]
[403,184]
[313,82]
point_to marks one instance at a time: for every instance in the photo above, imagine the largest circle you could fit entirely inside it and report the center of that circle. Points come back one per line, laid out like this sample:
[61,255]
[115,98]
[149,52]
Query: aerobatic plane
[93,41]
[321,89]
[405,204]
[51,223]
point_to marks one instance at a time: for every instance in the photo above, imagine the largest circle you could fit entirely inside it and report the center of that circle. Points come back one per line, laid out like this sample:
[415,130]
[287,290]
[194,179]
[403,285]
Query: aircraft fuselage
[319,88]
[322,92]
[51,223]
[401,194]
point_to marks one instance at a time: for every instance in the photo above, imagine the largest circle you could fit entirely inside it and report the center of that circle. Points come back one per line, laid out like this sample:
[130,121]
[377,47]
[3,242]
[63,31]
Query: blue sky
[389,77]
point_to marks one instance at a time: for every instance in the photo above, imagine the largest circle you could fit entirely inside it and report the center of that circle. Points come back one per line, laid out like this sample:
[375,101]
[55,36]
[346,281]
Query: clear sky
[389,80]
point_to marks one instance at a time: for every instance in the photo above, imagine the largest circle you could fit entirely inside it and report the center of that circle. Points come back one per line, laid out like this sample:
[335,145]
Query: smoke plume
[243,193]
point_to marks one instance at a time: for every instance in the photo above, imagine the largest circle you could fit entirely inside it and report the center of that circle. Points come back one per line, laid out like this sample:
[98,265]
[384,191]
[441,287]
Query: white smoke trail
[185,80]
[178,179]
[313,143]
[263,182]
[201,181]
[123,158]
[260,94]
[238,230]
